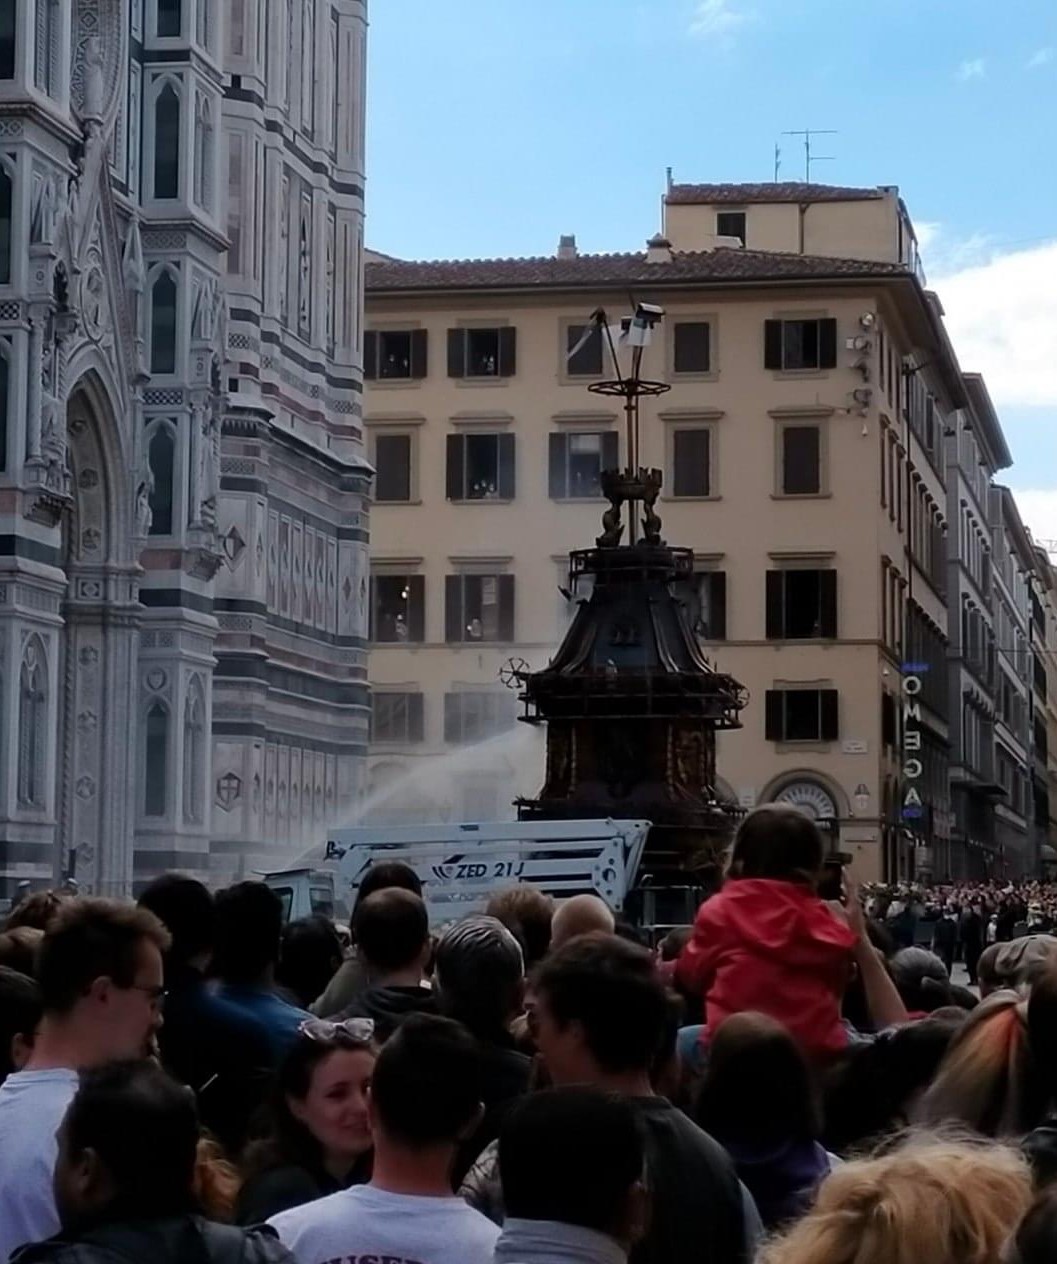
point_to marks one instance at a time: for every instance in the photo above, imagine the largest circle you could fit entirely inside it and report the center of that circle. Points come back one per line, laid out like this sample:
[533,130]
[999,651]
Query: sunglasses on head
[351,1032]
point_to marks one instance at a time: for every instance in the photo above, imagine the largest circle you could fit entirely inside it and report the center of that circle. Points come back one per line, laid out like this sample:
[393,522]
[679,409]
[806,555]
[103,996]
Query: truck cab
[304,892]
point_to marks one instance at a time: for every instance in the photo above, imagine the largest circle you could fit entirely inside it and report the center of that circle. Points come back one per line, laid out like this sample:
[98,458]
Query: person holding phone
[768,942]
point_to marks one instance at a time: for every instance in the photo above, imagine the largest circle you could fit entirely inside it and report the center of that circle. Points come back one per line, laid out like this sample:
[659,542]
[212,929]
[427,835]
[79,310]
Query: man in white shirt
[100,976]
[425,1097]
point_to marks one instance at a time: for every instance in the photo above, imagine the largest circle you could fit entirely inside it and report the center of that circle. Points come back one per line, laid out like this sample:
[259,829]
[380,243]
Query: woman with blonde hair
[997,1075]
[936,1199]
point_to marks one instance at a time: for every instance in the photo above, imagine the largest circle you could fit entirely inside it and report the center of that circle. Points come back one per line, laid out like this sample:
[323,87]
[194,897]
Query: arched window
[7,40]
[162,457]
[170,18]
[6,191]
[5,382]
[163,324]
[167,143]
[32,727]
[203,190]
[304,273]
[156,761]
[194,753]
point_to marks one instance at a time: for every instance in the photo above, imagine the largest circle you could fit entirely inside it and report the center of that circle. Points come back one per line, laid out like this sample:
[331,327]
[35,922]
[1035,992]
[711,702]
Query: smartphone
[831,885]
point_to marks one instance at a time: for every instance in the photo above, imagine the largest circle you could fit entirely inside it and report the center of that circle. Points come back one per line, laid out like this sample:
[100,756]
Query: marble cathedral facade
[183,494]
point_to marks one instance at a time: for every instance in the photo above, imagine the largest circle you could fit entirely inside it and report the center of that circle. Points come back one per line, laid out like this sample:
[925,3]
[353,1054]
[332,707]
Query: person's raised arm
[883,1002]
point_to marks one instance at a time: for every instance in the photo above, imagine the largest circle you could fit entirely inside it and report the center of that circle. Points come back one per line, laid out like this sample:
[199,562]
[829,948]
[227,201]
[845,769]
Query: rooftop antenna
[777,160]
[810,157]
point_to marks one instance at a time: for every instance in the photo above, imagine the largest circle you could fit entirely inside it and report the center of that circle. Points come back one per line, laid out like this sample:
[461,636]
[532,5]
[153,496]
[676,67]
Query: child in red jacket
[767,942]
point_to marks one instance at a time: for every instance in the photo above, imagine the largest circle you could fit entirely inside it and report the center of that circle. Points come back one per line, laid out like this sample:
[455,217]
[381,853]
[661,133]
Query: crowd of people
[185,1079]
[962,920]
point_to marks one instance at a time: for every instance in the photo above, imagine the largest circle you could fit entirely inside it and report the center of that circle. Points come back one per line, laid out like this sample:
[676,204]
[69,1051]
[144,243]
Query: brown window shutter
[507,468]
[717,611]
[455,472]
[456,353]
[829,706]
[774,729]
[775,594]
[507,351]
[506,607]
[453,621]
[827,344]
[419,353]
[416,719]
[556,466]
[772,344]
[827,585]
[690,459]
[610,450]
[416,622]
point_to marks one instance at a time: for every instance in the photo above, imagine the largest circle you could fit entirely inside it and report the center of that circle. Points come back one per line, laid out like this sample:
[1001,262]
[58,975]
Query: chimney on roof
[567,246]
[658,249]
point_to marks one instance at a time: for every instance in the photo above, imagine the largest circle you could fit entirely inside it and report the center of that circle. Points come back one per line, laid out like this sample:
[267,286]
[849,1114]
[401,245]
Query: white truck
[462,865]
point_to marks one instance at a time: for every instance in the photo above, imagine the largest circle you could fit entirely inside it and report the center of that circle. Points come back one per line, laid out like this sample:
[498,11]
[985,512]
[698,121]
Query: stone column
[36,322]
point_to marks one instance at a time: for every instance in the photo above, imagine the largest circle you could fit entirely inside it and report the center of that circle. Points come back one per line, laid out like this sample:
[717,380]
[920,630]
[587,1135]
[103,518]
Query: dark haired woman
[768,942]
[319,1139]
[758,1100]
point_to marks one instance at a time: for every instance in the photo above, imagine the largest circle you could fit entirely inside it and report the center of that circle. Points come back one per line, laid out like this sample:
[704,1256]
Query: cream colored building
[803,450]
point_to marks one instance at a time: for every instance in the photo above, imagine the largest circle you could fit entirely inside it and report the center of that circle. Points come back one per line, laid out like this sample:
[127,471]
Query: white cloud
[1040,57]
[973,69]
[927,232]
[1002,317]
[1038,508]
[716,19]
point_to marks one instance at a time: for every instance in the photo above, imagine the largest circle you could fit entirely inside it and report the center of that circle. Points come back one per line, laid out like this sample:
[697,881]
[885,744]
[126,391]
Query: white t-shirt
[368,1224]
[32,1104]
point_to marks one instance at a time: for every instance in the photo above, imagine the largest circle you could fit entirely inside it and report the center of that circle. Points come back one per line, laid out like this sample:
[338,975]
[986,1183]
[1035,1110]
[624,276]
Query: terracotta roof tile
[787,191]
[620,269]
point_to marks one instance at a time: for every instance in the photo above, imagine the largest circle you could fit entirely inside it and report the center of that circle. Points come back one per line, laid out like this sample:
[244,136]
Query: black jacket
[181,1240]
[505,1078]
[389,1006]
[276,1189]
[698,1212]
[218,1052]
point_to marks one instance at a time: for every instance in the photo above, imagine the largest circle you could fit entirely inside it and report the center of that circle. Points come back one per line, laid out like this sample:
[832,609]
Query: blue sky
[496,125]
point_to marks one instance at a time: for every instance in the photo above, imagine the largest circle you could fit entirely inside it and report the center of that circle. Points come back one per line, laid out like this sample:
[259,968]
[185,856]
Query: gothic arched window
[161,455]
[7,40]
[194,752]
[203,190]
[32,727]
[170,17]
[6,190]
[304,272]
[167,143]
[163,324]
[156,761]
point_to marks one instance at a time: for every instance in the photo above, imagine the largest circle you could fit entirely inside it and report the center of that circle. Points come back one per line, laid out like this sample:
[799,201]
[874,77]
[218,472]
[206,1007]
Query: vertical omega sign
[913,807]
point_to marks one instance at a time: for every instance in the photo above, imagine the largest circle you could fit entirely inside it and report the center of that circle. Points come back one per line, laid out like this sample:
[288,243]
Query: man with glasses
[100,976]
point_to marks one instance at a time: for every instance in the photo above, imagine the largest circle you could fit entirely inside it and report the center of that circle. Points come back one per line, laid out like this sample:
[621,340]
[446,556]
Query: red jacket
[773,947]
